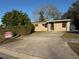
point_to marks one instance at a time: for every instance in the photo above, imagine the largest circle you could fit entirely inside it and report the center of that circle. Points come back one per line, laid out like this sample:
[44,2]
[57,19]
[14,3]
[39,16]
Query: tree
[15,18]
[41,16]
[48,12]
[73,13]
[17,22]
[52,12]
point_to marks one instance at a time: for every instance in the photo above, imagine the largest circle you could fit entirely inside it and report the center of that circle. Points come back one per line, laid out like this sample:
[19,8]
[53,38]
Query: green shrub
[32,28]
[16,30]
[21,30]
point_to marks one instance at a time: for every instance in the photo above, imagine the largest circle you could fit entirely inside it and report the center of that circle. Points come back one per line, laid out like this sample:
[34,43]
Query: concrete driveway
[42,45]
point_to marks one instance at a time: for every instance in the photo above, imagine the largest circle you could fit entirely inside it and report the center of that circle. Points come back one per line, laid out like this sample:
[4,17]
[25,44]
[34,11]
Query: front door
[52,26]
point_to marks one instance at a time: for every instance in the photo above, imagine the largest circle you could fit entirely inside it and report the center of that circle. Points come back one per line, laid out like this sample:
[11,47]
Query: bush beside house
[16,22]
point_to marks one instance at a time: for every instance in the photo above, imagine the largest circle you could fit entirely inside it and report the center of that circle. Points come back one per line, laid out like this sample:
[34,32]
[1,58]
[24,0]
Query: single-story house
[54,25]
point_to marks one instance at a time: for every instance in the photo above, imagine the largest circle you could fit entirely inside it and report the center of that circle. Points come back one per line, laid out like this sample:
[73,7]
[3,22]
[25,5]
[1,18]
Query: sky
[29,6]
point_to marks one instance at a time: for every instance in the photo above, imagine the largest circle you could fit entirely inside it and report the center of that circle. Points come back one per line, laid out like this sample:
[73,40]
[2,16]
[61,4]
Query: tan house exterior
[55,25]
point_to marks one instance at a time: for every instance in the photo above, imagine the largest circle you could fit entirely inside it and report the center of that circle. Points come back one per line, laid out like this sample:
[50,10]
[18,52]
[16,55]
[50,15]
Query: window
[36,25]
[45,25]
[64,24]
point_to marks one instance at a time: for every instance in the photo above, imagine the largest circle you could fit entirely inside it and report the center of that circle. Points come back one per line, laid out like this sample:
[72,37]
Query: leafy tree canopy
[73,13]
[15,18]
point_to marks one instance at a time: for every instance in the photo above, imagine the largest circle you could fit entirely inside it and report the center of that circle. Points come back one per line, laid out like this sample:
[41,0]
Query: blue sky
[29,6]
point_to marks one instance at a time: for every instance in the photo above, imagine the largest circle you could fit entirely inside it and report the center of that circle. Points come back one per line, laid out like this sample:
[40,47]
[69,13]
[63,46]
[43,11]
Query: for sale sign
[8,34]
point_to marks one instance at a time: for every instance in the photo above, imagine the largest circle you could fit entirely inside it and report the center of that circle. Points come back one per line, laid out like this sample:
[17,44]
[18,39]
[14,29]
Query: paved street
[42,45]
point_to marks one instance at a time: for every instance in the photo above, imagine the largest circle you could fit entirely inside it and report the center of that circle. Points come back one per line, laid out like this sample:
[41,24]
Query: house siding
[40,27]
[58,26]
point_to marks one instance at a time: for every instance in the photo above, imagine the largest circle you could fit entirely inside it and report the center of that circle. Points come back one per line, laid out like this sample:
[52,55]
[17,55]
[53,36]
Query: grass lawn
[75,47]
[75,36]
[71,35]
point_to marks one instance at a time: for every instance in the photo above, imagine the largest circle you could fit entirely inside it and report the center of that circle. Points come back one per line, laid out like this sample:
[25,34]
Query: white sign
[8,34]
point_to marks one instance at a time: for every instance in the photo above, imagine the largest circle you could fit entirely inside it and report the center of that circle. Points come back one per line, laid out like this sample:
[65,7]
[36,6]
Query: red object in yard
[8,34]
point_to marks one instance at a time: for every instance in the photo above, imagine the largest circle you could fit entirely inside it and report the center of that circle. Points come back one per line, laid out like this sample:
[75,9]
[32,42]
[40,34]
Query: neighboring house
[54,25]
